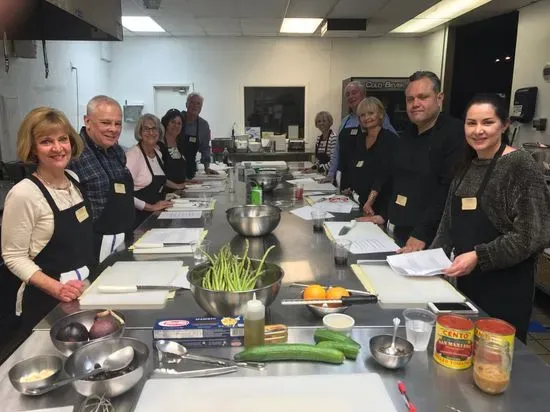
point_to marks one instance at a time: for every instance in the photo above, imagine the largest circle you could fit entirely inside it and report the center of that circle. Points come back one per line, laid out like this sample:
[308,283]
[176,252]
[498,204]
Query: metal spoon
[168,346]
[392,350]
[116,361]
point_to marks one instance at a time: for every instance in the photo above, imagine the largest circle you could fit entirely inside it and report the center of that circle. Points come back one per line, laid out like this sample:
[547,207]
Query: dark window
[274,108]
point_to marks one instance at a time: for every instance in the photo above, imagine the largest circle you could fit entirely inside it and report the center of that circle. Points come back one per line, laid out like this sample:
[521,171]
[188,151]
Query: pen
[403,390]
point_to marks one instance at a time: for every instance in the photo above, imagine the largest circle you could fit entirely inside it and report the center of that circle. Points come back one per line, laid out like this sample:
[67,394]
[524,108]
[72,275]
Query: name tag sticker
[469,203]
[82,214]
[401,200]
[120,188]
[192,139]
[354,132]
[359,164]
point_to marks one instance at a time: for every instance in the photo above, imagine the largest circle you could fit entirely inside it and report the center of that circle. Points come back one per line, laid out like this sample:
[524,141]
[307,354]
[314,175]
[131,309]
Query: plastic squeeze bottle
[254,323]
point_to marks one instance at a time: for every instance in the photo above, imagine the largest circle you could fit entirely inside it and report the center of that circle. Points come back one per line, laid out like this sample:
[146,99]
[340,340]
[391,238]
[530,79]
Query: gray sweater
[517,202]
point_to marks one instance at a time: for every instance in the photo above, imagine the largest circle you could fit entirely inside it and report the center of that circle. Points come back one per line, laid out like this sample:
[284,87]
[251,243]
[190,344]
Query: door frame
[171,86]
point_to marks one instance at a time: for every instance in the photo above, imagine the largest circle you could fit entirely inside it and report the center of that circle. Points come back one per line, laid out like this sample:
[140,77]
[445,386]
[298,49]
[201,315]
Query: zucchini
[325,334]
[349,350]
[290,352]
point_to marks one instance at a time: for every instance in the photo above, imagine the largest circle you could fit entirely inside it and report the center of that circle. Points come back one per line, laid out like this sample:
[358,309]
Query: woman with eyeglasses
[147,169]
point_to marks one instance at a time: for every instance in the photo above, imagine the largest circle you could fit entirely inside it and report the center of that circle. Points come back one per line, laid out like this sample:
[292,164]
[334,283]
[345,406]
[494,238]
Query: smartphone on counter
[465,308]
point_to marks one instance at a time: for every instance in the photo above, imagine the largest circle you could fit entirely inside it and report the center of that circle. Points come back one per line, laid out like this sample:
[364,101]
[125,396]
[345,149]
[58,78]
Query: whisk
[97,403]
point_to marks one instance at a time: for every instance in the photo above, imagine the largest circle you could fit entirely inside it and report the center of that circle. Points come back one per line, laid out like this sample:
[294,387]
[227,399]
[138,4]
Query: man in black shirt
[424,164]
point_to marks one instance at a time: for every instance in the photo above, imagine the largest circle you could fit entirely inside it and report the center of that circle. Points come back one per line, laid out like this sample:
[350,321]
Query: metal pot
[253,220]
[267,180]
[220,303]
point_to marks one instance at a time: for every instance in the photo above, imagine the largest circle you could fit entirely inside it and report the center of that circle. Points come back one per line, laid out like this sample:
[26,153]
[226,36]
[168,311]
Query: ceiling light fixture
[507,58]
[141,24]
[302,26]
[497,60]
[438,14]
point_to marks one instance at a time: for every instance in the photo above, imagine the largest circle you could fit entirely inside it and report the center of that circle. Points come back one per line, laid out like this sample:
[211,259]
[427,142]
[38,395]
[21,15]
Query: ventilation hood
[67,20]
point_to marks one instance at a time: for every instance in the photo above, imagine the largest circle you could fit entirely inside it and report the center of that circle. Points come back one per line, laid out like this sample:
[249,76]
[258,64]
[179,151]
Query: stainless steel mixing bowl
[84,359]
[253,220]
[86,318]
[219,303]
[379,343]
[268,180]
[35,364]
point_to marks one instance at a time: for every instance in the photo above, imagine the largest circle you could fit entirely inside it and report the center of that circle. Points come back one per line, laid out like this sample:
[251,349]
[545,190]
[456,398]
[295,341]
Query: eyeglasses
[149,129]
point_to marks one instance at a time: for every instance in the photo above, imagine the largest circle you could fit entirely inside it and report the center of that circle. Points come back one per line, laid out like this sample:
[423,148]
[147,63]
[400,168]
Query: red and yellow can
[454,341]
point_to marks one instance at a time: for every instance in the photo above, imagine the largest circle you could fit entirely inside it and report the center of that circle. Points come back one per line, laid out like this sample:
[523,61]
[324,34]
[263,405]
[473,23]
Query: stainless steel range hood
[68,20]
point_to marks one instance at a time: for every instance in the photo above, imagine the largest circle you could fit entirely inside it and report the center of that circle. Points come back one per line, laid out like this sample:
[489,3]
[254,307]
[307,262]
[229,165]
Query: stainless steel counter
[287,156]
[431,387]
[306,257]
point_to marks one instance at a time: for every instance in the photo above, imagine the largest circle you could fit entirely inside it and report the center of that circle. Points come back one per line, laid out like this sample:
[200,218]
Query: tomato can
[496,330]
[454,340]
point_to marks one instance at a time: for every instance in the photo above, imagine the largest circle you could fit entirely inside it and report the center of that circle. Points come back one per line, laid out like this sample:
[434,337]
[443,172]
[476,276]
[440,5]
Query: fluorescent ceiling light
[300,25]
[141,24]
[438,14]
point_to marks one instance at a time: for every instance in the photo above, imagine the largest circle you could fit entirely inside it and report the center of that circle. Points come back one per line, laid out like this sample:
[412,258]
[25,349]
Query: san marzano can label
[454,338]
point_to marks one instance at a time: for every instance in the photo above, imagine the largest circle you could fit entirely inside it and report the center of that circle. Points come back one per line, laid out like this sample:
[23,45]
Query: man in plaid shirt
[106,181]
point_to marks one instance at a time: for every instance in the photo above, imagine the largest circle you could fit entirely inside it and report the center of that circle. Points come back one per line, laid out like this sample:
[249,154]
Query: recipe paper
[373,245]
[181,214]
[158,238]
[305,213]
[423,263]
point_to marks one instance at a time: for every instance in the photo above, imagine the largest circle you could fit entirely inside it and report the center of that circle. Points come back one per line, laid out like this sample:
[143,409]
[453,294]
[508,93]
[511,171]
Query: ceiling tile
[223,26]
[260,26]
[349,9]
[214,8]
[262,8]
[311,8]
[132,8]
[400,11]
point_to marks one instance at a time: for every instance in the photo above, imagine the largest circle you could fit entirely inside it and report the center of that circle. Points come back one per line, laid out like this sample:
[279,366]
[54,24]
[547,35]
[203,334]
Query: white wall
[221,67]
[434,48]
[532,53]
[25,87]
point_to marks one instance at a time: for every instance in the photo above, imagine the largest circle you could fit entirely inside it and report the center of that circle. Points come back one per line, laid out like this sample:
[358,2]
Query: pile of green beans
[232,273]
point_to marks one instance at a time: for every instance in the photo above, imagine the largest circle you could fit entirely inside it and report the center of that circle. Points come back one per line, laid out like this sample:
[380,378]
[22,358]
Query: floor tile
[538,348]
[540,335]
[545,358]
[545,343]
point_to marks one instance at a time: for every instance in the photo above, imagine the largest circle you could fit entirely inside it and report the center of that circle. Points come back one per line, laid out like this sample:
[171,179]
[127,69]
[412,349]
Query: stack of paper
[423,263]
[366,237]
[211,187]
[305,212]
[193,204]
[171,240]
[300,175]
[311,185]
[183,214]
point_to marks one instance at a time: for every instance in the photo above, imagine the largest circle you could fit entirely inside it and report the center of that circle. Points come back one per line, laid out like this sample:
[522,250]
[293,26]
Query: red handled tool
[403,390]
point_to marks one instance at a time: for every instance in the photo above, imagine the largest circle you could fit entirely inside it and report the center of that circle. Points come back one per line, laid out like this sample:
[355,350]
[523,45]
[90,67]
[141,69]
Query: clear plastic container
[492,366]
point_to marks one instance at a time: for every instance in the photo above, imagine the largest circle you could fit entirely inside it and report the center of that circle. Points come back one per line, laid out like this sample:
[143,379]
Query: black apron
[175,169]
[507,293]
[323,158]
[119,212]
[151,193]
[70,247]
[190,150]
[414,180]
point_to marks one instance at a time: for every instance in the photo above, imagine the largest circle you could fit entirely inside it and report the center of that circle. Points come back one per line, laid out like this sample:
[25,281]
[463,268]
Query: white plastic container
[339,322]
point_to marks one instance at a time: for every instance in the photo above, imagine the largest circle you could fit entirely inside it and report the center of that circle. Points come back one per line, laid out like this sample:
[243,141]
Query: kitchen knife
[345,230]
[195,373]
[345,300]
[137,288]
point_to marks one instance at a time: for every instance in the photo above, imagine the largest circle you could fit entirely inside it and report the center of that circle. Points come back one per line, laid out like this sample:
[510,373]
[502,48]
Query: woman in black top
[175,163]
[369,158]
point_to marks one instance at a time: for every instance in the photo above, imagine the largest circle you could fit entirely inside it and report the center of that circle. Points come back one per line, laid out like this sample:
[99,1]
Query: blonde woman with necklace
[47,237]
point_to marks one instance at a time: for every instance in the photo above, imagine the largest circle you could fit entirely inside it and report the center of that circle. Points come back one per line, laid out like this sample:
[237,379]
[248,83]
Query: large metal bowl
[379,344]
[219,303]
[268,180]
[84,359]
[85,317]
[35,364]
[253,220]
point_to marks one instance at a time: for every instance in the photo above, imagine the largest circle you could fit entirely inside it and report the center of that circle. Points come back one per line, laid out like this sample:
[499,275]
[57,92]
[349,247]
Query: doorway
[171,97]
[483,60]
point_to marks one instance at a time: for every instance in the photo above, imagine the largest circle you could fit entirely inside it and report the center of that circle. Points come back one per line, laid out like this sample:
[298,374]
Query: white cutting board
[132,274]
[394,288]
[318,393]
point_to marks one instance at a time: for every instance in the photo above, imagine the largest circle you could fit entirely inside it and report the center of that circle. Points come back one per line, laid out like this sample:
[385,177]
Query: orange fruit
[336,292]
[314,292]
